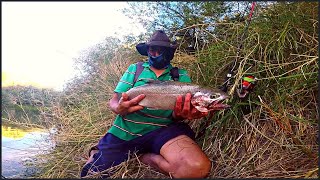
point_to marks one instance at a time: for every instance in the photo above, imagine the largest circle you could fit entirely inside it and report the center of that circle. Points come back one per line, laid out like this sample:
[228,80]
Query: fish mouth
[218,105]
[201,103]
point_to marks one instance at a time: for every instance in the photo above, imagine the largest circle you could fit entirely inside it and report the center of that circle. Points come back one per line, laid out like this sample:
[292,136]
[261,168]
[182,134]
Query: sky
[41,39]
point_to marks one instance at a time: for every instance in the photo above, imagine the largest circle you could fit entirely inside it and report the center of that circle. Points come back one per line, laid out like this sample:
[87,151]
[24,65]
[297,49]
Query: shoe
[95,147]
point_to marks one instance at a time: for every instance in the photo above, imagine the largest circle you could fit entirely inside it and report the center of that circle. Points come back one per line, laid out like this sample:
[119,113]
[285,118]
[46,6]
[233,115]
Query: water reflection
[19,146]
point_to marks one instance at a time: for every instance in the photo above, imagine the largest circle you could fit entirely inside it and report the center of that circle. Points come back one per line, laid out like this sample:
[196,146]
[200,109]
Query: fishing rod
[248,81]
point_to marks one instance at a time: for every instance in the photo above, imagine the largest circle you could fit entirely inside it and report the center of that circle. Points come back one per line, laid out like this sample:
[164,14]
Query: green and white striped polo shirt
[146,120]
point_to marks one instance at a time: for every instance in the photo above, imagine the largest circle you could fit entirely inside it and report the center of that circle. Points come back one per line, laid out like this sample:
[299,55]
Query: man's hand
[184,110]
[125,106]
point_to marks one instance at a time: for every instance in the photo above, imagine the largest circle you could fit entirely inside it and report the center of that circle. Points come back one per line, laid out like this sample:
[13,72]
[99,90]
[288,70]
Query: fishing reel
[248,82]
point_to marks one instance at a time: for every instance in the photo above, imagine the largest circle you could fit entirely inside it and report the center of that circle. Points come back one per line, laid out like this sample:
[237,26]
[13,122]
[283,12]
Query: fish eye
[212,96]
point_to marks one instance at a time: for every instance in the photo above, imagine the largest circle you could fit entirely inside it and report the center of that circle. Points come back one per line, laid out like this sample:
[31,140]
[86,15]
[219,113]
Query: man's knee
[202,166]
[189,168]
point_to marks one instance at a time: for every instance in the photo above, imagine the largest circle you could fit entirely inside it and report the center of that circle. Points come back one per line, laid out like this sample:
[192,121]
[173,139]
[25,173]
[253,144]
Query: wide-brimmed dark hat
[159,38]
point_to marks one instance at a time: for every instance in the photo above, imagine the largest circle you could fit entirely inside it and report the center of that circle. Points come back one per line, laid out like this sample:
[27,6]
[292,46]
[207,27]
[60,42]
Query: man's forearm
[176,118]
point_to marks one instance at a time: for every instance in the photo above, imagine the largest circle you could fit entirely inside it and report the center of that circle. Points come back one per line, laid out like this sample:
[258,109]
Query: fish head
[205,101]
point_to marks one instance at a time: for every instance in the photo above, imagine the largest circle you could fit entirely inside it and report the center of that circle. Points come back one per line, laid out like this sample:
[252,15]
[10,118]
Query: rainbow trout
[163,95]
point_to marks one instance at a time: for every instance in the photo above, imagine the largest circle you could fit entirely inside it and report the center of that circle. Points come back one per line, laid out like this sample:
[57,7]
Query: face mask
[158,62]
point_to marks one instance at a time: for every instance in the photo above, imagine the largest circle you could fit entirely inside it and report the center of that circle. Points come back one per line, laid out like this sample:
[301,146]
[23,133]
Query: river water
[20,147]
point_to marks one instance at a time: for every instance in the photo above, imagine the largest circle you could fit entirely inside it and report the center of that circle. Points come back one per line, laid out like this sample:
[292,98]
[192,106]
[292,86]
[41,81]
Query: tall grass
[271,133]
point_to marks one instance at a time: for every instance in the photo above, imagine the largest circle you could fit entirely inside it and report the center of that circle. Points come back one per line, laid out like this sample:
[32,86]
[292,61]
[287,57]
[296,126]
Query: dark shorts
[113,151]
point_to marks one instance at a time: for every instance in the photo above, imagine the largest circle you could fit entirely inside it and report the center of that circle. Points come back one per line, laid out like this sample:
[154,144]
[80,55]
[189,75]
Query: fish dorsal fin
[152,81]
[157,82]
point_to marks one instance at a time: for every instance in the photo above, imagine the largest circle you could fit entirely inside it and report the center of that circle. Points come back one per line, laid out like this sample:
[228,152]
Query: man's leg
[180,157]
[112,151]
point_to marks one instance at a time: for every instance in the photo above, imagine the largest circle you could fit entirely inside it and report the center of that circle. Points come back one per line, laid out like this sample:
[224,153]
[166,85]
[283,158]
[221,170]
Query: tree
[178,18]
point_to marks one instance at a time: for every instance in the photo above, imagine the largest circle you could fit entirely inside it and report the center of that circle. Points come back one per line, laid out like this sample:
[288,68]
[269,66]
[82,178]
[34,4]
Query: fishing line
[227,82]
